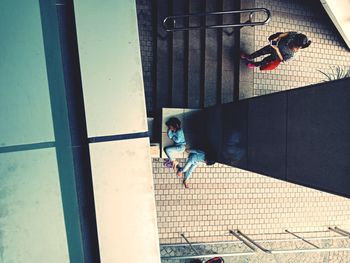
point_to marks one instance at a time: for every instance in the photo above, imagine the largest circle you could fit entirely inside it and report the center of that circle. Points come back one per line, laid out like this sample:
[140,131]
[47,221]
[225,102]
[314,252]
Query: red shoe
[251,65]
[244,56]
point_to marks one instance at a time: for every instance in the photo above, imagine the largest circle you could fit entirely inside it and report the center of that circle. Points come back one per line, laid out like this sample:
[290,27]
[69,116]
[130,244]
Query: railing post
[189,243]
[241,239]
[253,242]
[301,238]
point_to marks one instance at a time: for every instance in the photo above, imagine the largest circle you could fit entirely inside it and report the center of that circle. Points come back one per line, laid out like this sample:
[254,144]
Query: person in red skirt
[282,47]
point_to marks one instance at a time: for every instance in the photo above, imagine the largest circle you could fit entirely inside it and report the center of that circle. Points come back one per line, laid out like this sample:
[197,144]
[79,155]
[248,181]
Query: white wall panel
[124,199]
[25,113]
[111,66]
[32,225]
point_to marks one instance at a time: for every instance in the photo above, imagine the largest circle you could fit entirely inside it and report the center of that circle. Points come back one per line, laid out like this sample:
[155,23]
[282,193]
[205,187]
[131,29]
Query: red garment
[271,65]
[215,260]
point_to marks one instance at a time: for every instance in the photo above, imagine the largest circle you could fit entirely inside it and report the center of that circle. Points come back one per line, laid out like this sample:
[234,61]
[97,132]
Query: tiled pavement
[327,50]
[222,197]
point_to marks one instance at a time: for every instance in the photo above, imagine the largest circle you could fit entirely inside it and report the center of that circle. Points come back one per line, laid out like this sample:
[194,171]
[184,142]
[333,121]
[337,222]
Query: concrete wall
[32,221]
[299,136]
[113,90]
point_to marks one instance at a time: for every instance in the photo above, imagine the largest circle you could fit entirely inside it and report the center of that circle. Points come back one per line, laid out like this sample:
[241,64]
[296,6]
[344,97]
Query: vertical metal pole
[241,239]
[338,231]
[253,242]
[189,243]
[343,231]
[301,238]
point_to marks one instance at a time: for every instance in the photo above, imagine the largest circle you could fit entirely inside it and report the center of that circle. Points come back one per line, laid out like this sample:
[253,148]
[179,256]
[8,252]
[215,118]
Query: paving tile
[257,203]
[223,197]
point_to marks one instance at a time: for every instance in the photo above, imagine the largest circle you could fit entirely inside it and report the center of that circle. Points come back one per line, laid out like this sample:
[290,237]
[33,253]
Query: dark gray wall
[300,136]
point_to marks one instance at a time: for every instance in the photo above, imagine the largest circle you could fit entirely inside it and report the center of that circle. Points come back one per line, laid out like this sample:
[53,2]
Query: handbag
[215,260]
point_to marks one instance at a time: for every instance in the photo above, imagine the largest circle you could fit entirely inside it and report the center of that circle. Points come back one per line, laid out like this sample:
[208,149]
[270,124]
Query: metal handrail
[241,239]
[301,238]
[340,231]
[169,23]
[235,254]
[251,241]
[189,243]
[252,244]
[258,240]
[343,231]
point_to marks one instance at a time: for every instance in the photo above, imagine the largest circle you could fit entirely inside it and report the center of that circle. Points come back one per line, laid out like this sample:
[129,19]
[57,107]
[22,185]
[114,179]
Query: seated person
[194,158]
[176,134]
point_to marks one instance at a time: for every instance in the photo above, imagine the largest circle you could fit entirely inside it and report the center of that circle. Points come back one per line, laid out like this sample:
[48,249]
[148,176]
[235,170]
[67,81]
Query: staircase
[196,68]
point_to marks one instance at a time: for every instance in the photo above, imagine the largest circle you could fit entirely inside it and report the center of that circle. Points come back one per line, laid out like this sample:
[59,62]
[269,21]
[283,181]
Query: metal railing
[190,250]
[247,246]
[170,25]
[315,248]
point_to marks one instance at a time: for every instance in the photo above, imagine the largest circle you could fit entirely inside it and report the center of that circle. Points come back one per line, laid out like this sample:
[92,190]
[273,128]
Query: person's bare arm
[278,52]
[275,35]
[283,35]
[278,36]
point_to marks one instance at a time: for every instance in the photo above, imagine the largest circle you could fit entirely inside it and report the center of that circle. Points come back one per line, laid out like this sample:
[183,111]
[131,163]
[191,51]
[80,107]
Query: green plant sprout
[336,73]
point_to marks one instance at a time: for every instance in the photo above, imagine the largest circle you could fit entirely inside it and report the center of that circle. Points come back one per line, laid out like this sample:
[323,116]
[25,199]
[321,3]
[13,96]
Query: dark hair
[301,41]
[308,43]
[175,122]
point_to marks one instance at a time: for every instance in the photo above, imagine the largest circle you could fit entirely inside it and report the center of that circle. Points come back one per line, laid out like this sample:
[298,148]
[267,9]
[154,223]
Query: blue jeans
[170,150]
[194,158]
